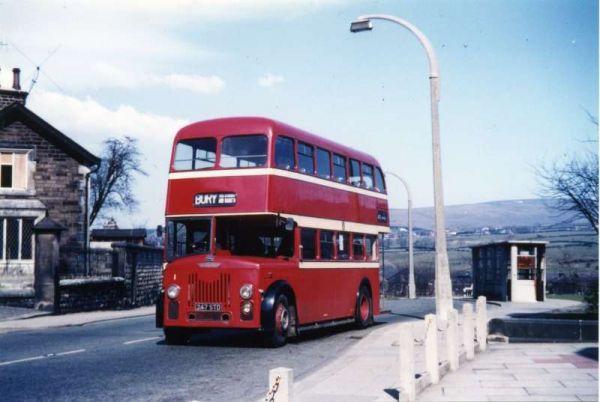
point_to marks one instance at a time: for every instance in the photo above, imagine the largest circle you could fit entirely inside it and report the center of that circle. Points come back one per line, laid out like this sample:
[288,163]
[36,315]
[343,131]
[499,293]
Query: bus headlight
[173,292]
[246,291]
[246,310]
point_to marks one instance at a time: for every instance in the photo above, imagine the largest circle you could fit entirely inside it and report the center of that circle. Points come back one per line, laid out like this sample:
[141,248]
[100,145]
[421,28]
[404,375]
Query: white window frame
[4,220]
[26,175]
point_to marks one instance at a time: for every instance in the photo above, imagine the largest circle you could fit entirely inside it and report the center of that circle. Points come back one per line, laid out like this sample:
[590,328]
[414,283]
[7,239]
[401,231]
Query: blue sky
[516,80]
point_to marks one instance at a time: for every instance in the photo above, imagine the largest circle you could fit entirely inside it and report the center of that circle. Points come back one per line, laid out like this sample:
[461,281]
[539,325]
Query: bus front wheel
[281,322]
[176,336]
[364,308]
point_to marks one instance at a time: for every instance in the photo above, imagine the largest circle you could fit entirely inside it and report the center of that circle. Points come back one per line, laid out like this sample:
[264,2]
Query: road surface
[127,359]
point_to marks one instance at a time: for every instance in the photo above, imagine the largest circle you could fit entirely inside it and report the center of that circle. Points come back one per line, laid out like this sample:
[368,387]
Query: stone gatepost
[47,257]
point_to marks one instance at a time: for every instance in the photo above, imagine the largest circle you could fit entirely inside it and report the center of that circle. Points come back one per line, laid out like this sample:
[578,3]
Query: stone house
[42,173]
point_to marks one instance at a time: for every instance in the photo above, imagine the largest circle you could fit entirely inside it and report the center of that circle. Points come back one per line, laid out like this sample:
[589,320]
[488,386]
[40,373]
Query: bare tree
[112,183]
[574,186]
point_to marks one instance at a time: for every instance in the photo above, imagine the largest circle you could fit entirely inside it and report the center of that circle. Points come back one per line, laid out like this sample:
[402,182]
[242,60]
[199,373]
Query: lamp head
[361,25]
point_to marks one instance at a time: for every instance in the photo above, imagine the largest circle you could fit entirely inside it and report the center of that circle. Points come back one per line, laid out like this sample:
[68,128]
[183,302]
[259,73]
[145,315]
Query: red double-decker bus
[270,228]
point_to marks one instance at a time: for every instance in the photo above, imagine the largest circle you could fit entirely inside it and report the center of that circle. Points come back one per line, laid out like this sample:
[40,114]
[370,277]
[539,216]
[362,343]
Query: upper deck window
[306,162]
[354,172]
[323,163]
[367,173]
[244,151]
[195,154]
[379,182]
[284,153]
[339,168]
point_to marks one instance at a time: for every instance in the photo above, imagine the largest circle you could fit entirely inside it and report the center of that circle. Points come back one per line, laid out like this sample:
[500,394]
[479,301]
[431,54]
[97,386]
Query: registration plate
[208,307]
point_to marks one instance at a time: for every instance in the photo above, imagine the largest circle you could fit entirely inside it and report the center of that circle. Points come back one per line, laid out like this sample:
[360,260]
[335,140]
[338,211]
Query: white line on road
[70,352]
[28,359]
[142,340]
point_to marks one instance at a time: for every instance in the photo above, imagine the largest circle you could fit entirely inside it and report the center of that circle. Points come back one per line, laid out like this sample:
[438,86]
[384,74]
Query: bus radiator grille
[216,291]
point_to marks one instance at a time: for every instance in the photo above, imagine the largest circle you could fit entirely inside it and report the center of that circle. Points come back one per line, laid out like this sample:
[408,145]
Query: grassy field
[574,297]
[567,252]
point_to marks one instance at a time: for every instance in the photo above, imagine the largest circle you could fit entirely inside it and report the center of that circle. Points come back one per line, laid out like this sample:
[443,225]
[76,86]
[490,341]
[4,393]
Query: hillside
[533,212]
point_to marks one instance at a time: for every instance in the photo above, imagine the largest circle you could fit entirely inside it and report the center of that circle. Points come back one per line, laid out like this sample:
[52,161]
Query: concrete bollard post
[431,348]
[482,328]
[468,331]
[452,339]
[407,363]
[281,383]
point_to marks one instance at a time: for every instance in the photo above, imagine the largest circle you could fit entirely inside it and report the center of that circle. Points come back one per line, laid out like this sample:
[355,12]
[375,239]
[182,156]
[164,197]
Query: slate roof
[18,112]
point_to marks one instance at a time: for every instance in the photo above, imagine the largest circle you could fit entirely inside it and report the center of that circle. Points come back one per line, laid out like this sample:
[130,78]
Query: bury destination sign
[204,200]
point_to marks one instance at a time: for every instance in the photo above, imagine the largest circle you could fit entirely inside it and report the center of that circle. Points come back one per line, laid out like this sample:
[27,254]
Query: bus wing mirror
[290,224]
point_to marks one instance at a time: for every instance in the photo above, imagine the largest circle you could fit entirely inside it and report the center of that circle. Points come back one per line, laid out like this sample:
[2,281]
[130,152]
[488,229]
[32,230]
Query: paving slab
[536,381]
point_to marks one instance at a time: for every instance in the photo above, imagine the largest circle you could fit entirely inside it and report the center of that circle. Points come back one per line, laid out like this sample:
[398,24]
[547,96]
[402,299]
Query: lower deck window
[343,246]
[258,236]
[358,247]
[326,244]
[371,247]
[308,241]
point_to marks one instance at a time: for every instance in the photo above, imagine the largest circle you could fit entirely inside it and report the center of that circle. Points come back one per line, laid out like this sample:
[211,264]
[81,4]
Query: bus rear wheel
[176,336]
[364,308]
[281,323]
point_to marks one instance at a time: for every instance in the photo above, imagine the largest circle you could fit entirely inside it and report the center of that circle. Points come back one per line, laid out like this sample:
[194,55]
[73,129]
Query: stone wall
[136,280]
[91,294]
[125,276]
[57,181]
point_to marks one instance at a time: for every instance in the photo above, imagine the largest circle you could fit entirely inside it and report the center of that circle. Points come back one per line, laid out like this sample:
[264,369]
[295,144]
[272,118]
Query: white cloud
[107,75]
[85,119]
[141,37]
[268,80]
[198,83]
[89,123]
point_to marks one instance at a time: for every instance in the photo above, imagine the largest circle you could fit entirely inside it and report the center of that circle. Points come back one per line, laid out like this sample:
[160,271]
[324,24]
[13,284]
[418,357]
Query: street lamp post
[443,285]
[412,291]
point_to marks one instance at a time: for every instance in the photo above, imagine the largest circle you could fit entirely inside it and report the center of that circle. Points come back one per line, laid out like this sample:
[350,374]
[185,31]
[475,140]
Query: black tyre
[176,336]
[363,315]
[281,323]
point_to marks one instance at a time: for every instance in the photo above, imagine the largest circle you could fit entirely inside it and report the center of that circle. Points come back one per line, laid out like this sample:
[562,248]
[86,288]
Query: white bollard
[468,331]
[452,339]
[407,363]
[281,382]
[482,328]
[431,348]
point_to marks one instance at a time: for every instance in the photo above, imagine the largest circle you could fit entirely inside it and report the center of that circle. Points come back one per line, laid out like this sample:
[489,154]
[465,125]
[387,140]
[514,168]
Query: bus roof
[254,125]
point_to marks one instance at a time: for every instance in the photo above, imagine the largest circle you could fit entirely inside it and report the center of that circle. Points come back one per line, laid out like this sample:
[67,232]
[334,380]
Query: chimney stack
[8,95]
[17,79]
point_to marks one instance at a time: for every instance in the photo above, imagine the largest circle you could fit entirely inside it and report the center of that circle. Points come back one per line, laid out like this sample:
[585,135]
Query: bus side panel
[329,294]
[347,289]
[310,199]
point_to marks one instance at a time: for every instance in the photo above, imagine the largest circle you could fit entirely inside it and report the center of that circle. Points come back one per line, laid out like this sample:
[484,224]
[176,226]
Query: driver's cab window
[186,237]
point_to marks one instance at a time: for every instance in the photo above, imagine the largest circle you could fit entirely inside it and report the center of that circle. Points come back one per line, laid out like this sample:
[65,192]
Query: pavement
[368,371]
[523,372]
